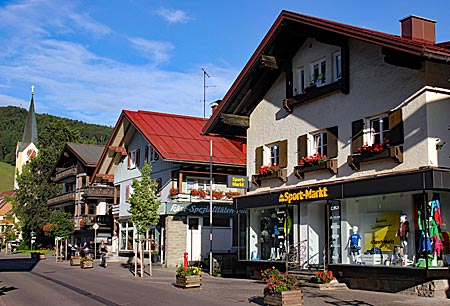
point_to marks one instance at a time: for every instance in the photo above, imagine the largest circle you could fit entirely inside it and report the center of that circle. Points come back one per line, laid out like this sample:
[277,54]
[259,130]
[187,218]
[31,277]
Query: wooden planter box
[87,264]
[285,298]
[37,255]
[189,281]
[280,174]
[330,165]
[75,261]
[394,153]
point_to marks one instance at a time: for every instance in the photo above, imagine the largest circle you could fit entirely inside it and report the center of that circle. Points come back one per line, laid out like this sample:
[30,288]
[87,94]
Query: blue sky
[90,59]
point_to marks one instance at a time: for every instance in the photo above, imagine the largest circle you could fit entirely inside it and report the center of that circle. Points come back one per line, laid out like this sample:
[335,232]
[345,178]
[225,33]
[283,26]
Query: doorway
[194,238]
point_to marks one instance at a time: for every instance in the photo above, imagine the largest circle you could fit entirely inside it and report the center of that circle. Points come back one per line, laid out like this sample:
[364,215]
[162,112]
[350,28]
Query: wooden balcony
[281,174]
[69,172]
[394,153]
[62,198]
[330,165]
[98,192]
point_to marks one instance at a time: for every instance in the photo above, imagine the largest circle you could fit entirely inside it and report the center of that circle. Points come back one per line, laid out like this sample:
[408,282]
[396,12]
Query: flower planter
[280,174]
[191,281]
[331,165]
[285,298]
[75,261]
[394,153]
[87,264]
[37,255]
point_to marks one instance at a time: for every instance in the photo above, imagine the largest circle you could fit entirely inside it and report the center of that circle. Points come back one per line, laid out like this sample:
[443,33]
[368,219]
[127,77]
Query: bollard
[185,259]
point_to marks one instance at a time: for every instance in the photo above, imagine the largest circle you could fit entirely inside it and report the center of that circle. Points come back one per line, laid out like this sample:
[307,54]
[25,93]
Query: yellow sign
[237,181]
[302,195]
[382,232]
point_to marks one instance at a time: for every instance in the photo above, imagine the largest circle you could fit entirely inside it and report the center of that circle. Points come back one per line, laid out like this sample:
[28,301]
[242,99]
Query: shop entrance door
[312,234]
[194,238]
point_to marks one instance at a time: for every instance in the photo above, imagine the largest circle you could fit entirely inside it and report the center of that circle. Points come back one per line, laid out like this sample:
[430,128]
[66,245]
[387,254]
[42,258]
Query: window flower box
[395,153]
[280,174]
[330,165]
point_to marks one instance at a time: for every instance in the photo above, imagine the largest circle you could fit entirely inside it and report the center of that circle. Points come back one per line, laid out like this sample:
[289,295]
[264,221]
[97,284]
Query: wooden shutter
[146,154]
[138,157]
[332,138]
[357,135]
[283,154]
[302,146]
[259,157]
[396,134]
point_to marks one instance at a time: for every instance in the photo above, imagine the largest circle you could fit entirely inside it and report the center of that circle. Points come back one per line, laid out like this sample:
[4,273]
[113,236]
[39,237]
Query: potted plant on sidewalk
[188,277]
[281,288]
[86,263]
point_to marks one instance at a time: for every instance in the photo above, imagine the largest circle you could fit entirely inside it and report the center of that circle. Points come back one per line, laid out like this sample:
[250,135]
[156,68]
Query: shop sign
[303,195]
[234,181]
[382,231]
[201,209]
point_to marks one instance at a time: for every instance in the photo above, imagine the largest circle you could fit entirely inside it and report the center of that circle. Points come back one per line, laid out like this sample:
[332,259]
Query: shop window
[319,72]
[193,223]
[133,159]
[272,154]
[217,221]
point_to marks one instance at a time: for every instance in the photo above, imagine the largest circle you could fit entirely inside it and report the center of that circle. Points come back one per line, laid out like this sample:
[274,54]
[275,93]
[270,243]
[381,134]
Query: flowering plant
[232,194]
[268,170]
[376,147]
[187,271]
[277,282]
[198,193]
[173,191]
[217,194]
[312,160]
[324,277]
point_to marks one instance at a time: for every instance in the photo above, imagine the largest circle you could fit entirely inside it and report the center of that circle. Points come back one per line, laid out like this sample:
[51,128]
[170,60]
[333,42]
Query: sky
[90,59]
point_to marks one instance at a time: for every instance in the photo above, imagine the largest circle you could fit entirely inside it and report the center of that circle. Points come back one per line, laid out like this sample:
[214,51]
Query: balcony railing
[65,173]
[98,192]
[86,222]
[62,198]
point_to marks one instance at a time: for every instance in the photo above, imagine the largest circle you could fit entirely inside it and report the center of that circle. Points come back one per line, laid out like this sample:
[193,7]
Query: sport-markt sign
[201,209]
[303,195]
[234,181]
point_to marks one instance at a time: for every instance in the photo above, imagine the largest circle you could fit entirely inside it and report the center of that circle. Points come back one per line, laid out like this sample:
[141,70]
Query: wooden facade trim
[117,149]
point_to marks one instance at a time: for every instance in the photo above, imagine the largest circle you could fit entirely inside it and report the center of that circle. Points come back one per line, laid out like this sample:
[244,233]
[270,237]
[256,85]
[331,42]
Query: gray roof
[30,129]
[88,153]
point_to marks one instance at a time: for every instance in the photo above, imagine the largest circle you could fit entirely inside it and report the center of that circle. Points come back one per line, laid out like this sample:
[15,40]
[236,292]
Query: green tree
[62,224]
[144,206]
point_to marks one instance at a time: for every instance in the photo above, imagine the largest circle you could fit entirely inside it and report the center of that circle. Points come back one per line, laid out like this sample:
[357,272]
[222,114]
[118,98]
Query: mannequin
[354,243]
[403,233]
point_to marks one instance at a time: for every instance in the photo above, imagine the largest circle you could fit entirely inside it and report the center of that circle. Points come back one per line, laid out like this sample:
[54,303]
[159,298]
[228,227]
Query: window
[158,191]
[128,192]
[133,159]
[217,221]
[274,154]
[320,143]
[301,80]
[319,72]
[153,155]
[196,183]
[378,129]
[337,65]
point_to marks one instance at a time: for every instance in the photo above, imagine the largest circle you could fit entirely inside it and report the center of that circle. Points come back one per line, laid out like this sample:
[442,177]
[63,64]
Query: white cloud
[157,51]
[172,15]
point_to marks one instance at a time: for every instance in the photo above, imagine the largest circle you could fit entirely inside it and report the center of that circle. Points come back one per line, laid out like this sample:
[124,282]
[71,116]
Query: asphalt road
[27,282]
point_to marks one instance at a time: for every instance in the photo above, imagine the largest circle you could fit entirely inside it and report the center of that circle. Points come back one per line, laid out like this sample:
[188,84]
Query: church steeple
[30,129]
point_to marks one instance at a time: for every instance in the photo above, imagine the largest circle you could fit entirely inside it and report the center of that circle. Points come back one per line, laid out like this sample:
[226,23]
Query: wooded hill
[12,121]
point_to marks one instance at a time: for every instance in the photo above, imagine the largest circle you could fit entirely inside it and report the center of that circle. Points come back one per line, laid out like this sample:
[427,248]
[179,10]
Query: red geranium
[312,160]
[267,170]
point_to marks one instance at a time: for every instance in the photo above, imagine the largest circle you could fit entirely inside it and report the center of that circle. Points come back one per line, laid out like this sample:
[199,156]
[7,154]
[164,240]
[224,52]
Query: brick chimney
[419,29]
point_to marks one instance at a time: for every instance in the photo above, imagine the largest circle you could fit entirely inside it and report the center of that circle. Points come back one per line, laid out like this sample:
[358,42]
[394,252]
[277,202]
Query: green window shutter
[332,137]
[357,135]
[396,134]
[283,154]
[259,157]
[302,146]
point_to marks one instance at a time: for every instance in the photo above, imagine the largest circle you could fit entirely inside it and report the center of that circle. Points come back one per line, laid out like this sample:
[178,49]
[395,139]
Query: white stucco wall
[375,87]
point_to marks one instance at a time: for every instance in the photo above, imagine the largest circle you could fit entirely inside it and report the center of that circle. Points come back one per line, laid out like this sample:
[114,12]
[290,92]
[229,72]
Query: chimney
[214,106]
[419,29]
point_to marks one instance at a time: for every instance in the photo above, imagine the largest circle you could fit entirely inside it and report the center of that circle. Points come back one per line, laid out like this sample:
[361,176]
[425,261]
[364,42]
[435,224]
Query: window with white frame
[319,143]
[378,129]
[301,80]
[337,65]
[153,156]
[273,155]
[195,183]
[319,72]
[133,159]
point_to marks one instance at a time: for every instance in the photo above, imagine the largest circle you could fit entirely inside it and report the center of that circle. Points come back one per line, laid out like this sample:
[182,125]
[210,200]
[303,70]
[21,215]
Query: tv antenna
[205,74]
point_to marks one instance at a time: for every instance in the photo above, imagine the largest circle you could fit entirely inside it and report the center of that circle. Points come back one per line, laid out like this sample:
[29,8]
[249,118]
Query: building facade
[180,160]
[354,122]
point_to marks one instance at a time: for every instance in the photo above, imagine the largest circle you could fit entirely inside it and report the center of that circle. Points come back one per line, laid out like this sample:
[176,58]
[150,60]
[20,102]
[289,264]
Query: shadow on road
[335,301]
[5,289]
[17,264]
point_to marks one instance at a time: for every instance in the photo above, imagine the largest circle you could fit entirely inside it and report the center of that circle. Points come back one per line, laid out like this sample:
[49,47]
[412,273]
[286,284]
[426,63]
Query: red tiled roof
[427,50]
[179,138]
[2,196]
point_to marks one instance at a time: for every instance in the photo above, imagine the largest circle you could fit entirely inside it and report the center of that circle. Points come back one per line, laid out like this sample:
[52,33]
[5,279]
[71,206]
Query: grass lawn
[7,177]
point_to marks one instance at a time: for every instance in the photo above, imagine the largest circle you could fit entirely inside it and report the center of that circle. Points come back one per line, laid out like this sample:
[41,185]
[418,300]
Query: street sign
[95,226]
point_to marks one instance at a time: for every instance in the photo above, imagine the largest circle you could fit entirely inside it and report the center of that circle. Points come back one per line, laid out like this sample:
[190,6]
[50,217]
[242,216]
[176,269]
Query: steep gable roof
[89,154]
[30,129]
[285,36]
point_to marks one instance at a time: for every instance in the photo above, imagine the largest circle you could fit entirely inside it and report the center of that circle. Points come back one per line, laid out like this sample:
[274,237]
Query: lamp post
[33,238]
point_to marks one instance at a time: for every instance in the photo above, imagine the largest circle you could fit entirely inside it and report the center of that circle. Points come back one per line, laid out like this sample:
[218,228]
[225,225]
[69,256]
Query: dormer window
[319,72]
[133,159]
[337,66]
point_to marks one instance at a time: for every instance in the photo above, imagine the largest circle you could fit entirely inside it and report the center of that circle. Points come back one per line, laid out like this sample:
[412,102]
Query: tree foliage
[62,224]
[143,202]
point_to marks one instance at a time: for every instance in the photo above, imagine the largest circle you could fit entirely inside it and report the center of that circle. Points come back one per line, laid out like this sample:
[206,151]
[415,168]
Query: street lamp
[33,239]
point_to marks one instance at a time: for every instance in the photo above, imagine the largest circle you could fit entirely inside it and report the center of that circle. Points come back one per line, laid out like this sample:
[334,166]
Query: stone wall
[176,239]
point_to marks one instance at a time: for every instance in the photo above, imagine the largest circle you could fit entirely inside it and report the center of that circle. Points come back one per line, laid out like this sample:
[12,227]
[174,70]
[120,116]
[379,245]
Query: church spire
[30,129]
